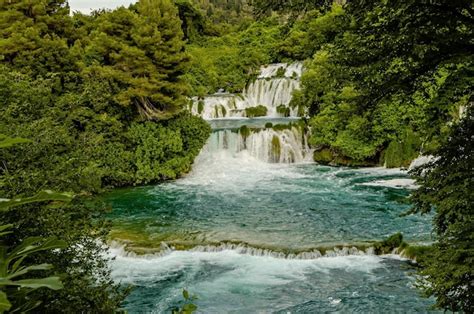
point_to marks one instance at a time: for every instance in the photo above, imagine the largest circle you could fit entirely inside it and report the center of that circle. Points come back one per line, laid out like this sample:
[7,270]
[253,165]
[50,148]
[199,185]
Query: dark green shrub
[258,111]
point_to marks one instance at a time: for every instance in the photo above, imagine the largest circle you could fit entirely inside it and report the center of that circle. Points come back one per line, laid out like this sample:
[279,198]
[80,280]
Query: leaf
[186,294]
[6,141]
[30,268]
[189,308]
[42,196]
[53,283]
[5,227]
[30,245]
[5,305]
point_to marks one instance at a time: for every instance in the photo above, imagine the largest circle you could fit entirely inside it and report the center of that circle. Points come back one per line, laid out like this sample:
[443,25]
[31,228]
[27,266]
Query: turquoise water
[245,237]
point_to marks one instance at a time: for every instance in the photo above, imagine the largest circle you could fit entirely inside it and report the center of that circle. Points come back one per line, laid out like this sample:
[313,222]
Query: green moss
[244,131]
[276,148]
[258,111]
[224,111]
[400,153]
[417,252]
[323,156]
[268,125]
[301,111]
[200,106]
[389,244]
[283,110]
[281,72]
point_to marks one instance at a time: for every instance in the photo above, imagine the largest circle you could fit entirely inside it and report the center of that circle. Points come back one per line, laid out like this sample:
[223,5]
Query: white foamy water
[241,270]
[394,183]
[267,145]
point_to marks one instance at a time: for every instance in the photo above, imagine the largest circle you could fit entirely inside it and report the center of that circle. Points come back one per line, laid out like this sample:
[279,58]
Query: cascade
[288,145]
[235,133]
[272,89]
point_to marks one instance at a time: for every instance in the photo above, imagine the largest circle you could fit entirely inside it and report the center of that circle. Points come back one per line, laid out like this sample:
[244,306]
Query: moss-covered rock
[244,131]
[401,152]
[276,149]
[416,252]
[200,106]
[327,156]
[323,156]
[258,111]
[268,125]
[281,72]
[388,245]
[283,110]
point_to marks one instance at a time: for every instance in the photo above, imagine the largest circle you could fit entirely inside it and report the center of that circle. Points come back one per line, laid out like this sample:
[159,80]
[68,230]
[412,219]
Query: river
[256,227]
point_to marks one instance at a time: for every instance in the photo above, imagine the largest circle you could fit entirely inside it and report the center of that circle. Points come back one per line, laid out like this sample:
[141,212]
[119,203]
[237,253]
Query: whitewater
[256,227]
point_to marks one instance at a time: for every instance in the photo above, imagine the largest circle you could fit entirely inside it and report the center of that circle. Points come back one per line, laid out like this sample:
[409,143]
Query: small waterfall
[120,249]
[272,88]
[271,94]
[291,70]
[267,145]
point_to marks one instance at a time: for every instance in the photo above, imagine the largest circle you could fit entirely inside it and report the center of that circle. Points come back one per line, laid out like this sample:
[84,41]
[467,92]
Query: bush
[284,110]
[258,111]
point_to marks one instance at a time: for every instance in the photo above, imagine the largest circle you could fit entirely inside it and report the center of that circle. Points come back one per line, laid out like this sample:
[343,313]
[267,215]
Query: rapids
[256,227]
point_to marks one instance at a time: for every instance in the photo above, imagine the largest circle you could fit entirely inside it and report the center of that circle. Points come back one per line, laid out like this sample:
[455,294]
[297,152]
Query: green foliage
[78,88]
[276,149]
[33,36]
[189,307]
[447,185]
[244,131]
[258,111]
[283,110]
[166,152]
[42,196]
[365,93]
[229,62]
[128,50]
[281,72]
[388,245]
[416,252]
[400,153]
[6,141]
[14,283]
[268,125]
[14,287]
[200,106]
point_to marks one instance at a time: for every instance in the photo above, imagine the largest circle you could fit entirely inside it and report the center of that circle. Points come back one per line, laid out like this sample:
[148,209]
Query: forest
[91,103]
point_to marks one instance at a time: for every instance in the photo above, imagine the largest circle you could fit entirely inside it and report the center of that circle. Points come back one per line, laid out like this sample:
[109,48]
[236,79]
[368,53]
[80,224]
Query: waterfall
[268,145]
[272,88]
[283,143]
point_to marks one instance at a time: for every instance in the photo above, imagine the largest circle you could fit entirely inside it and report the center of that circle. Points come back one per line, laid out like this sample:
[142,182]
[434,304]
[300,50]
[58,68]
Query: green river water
[248,236]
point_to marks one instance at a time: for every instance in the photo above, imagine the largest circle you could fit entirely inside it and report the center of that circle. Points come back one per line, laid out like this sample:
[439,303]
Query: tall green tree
[397,70]
[33,35]
[447,186]
[142,54]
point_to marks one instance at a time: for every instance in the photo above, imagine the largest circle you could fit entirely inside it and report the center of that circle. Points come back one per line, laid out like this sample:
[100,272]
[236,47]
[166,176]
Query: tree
[14,287]
[404,68]
[33,35]
[142,53]
[447,186]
